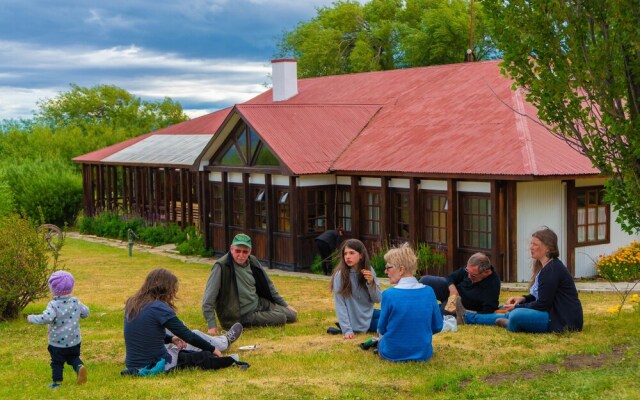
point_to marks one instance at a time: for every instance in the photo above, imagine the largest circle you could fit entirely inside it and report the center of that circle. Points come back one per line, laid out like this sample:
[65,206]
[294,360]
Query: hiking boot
[502,322]
[460,310]
[234,333]
[82,374]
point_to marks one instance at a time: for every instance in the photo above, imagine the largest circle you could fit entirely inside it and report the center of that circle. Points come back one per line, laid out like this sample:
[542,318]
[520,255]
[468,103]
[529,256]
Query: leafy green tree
[26,262]
[381,35]
[579,64]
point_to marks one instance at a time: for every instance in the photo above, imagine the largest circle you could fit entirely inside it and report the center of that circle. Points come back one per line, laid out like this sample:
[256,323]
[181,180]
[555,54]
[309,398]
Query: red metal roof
[308,139]
[449,119]
[460,119]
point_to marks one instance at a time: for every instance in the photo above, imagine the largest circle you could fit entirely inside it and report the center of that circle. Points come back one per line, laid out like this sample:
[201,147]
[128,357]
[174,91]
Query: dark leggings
[60,355]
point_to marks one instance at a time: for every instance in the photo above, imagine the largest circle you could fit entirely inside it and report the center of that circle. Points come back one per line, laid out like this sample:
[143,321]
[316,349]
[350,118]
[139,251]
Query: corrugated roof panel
[308,139]
[207,125]
[175,150]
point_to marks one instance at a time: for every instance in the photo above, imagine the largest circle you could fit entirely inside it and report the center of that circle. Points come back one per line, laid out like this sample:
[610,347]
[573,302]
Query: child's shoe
[82,374]
[54,385]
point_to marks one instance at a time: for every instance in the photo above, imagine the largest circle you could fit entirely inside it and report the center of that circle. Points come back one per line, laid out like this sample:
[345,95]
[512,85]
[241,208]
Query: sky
[205,54]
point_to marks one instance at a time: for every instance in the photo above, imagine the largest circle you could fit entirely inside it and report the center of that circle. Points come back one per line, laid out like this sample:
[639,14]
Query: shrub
[193,244]
[429,260]
[377,258]
[26,262]
[621,266]
[50,189]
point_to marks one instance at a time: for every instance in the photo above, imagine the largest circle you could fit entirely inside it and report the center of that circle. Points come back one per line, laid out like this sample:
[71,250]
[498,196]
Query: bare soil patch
[570,363]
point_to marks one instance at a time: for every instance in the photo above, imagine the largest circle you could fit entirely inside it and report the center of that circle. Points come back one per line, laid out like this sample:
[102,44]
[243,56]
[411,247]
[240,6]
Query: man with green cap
[239,290]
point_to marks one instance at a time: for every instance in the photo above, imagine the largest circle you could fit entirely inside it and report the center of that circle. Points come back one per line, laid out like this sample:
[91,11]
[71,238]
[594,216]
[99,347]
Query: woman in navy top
[552,304]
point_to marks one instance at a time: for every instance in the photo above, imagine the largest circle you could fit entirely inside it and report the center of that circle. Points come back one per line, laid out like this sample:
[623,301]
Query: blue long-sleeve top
[409,317]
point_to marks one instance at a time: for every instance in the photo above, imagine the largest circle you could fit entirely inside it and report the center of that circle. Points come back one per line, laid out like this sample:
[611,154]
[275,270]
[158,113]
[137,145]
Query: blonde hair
[403,255]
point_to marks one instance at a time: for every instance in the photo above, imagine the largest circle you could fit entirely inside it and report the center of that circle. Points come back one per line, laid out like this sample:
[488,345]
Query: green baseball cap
[241,240]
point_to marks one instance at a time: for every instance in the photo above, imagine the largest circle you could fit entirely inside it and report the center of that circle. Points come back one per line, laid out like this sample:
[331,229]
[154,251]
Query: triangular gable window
[246,148]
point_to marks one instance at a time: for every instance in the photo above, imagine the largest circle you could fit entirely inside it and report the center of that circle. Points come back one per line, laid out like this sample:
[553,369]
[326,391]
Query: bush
[621,266]
[430,261]
[26,262]
[193,244]
[47,189]
[377,258]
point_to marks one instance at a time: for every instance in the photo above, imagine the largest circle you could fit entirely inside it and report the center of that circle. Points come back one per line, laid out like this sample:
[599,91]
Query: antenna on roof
[470,56]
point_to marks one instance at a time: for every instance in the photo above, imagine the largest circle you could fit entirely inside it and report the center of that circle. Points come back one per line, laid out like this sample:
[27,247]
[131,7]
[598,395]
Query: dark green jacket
[227,303]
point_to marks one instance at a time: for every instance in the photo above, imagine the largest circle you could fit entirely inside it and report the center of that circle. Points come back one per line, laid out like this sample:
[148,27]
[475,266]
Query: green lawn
[300,361]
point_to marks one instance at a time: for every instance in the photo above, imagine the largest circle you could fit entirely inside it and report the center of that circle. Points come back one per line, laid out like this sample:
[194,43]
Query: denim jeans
[520,320]
[374,321]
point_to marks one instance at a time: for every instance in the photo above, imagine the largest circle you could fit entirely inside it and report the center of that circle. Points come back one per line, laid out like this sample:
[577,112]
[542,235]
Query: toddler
[62,315]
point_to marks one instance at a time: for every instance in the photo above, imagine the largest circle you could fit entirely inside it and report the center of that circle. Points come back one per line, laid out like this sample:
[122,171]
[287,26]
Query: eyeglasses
[471,274]
[388,267]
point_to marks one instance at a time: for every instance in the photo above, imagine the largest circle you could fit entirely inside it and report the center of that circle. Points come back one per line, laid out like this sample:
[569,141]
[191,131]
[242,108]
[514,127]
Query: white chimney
[284,73]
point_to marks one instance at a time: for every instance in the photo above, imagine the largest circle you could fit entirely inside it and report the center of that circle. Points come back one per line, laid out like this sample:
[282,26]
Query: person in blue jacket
[410,314]
[552,304]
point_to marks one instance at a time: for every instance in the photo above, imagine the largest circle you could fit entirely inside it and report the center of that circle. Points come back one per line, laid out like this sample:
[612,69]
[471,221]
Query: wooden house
[446,155]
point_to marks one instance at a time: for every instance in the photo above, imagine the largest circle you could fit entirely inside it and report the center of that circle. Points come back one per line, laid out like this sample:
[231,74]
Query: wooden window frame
[467,231]
[371,225]
[315,210]
[343,208]
[598,193]
[400,215]
[238,217]
[259,198]
[283,200]
[428,213]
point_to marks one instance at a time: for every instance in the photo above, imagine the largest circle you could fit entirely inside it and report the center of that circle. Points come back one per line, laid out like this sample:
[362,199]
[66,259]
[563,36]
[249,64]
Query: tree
[579,64]
[26,261]
[107,106]
[384,34]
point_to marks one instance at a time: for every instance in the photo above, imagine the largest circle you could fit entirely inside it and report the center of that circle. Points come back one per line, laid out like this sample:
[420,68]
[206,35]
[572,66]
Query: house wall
[586,255]
[538,204]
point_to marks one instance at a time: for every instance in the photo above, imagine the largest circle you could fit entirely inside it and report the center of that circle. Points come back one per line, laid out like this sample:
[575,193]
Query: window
[245,148]
[372,212]
[434,208]
[476,221]
[217,206]
[259,209]
[400,214]
[592,216]
[283,211]
[237,206]
[343,208]
[316,210]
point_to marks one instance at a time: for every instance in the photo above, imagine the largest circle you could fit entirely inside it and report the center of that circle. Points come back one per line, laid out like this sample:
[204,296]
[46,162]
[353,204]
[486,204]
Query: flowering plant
[621,266]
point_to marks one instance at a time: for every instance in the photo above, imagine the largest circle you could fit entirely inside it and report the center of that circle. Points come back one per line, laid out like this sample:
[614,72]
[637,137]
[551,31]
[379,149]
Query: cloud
[33,70]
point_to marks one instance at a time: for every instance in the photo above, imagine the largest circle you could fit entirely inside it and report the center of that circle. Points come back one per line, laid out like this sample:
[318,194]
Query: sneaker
[460,310]
[82,375]
[334,331]
[234,333]
[502,322]
[54,385]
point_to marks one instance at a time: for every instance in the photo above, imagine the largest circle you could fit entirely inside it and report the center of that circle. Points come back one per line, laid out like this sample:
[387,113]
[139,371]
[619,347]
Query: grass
[300,361]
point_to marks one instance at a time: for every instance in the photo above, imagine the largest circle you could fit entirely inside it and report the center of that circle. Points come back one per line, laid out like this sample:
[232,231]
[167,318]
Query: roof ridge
[347,147]
[522,128]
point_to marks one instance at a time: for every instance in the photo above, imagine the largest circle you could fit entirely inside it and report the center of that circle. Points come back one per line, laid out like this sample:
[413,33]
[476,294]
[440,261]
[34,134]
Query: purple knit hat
[61,283]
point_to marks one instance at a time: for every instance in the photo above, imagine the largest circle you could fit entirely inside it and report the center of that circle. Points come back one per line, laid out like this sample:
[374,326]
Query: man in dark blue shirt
[477,284]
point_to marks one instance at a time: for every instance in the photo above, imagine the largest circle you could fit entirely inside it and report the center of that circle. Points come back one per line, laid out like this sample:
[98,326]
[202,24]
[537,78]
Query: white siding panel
[539,204]
[586,256]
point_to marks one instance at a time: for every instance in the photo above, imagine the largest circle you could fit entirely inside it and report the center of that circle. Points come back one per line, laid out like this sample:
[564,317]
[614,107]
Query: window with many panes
[245,148]
[237,205]
[372,212]
[343,208]
[434,208]
[217,206]
[284,220]
[592,217]
[476,221]
[316,210]
[259,208]
[400,214]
